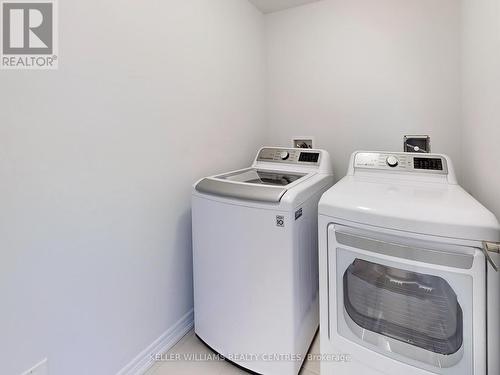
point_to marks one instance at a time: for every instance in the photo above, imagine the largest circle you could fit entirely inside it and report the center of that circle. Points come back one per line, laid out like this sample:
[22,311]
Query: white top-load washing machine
[408,283]
[255,259]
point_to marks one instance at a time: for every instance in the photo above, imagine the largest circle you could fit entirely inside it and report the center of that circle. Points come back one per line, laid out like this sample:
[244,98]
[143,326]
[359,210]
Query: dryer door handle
[491,247]
[393,248]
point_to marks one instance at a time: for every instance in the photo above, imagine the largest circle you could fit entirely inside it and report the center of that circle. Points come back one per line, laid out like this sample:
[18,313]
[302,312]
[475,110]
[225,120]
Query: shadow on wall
[183,245]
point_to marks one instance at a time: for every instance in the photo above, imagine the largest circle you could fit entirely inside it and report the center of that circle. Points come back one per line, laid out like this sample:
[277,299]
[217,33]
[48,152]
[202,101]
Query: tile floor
[191,345]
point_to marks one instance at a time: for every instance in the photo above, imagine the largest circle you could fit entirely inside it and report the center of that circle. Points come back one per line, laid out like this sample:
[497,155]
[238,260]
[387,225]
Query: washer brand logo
[280,221]
[28,35]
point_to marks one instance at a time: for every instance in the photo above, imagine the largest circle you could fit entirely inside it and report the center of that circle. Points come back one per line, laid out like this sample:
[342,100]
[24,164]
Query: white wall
[359,74]
[96,164]
[481,100]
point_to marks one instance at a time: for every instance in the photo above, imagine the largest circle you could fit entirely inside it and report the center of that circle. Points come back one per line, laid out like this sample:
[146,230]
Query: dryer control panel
[402,162]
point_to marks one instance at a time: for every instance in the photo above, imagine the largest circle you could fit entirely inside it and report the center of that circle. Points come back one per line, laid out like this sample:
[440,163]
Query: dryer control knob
[284,155]
[392,161]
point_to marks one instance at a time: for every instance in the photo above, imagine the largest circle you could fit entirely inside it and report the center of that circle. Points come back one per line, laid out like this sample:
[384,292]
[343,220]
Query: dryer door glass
[417,309]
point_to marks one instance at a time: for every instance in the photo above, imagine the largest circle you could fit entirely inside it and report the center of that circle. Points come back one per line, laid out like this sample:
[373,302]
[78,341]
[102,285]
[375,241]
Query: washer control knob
[284,155]
[392,161]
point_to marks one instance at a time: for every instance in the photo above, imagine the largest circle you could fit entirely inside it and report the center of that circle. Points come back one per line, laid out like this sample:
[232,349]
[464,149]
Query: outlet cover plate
[303,142]
[417,143]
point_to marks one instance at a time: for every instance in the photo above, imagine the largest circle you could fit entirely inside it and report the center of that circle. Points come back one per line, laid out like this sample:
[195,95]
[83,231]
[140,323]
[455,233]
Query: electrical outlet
[303,142]
[41,368]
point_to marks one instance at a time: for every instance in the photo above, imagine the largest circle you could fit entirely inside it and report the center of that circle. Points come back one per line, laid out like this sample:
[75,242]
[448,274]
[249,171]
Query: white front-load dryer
[408,279]
[255,255]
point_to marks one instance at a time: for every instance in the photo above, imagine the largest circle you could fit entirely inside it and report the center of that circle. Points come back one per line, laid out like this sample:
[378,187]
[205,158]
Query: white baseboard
[143,362]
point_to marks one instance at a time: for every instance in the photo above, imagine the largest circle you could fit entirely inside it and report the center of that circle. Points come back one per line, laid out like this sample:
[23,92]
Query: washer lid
[425,208]
[251,184]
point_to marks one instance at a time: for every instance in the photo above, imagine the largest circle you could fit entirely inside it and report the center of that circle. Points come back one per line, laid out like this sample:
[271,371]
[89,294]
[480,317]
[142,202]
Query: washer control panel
[289,156]
[401,162]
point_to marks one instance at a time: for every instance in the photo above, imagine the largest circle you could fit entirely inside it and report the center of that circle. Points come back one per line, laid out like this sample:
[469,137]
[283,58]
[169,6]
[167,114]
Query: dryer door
[410,301]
